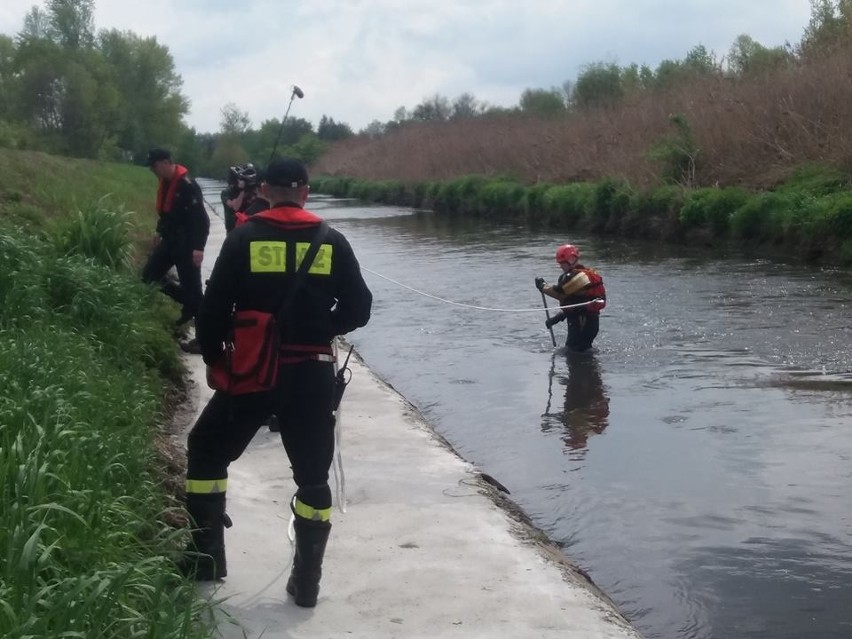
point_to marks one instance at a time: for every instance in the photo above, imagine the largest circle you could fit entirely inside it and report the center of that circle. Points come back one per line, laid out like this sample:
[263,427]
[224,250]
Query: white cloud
[359,60]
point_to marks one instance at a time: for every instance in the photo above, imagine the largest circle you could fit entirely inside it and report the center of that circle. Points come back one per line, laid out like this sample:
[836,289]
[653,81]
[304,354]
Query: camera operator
[240,198]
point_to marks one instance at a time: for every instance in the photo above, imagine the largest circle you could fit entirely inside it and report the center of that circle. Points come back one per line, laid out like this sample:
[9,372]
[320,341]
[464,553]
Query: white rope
[337,466]
[479,308]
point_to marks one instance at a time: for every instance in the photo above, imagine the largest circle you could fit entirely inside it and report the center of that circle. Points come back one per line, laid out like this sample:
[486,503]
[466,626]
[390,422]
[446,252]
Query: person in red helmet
[577,285]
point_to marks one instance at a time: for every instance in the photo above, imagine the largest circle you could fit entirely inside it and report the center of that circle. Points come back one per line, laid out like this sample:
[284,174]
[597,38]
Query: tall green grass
[87,359]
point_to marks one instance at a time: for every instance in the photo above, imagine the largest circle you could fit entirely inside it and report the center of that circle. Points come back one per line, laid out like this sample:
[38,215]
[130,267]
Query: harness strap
[305,348]
[297,359]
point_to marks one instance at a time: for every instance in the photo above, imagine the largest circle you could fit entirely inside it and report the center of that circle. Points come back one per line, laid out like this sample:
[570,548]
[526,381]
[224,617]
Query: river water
[696,464]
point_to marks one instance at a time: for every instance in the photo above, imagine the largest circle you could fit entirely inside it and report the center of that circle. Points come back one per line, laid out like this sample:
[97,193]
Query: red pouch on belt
[250,361]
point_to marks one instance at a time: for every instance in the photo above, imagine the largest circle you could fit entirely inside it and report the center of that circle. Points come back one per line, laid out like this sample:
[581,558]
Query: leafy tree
[465,106]
[542,101]
[151,103]
[401,115]
[71,23]
[7,76]
[308,149]
[599,84]
[647,79]
[434,109]
[90,106]
[330,130]
[36,25]
[39,66]
[374,129]
[700,61]
[234,122]
[749,56]
[228,152]
[631,80]
[830,24]
[668,74]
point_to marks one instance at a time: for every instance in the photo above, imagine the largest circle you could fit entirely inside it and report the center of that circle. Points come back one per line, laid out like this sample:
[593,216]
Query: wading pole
[547,312]
[297,93]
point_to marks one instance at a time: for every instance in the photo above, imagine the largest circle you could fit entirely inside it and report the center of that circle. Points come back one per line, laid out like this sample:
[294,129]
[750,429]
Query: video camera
[241,177]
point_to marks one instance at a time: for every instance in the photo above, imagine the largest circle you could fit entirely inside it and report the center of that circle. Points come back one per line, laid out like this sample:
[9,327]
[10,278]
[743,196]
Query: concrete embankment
[425,547]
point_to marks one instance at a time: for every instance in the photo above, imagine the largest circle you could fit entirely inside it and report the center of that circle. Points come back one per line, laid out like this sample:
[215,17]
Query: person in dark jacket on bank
[254,272]
[182,229]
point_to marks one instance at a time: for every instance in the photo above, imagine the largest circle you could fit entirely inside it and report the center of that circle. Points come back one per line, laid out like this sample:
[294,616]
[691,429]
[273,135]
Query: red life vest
[594,290]
[166,196]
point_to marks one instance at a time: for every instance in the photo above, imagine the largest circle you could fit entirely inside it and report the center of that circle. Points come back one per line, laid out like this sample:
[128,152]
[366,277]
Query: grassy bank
[809,216]
[39,189]
[88,362]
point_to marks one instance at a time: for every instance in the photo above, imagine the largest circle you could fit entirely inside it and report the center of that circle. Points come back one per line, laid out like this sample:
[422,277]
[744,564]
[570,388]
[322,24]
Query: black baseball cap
[287,173]
[155,155]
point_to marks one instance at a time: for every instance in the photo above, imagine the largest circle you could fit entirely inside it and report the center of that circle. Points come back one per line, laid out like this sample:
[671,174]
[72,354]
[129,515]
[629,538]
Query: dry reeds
[751,131]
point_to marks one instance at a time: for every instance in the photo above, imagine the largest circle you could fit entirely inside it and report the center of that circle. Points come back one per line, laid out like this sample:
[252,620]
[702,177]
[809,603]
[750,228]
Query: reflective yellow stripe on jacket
[269,256]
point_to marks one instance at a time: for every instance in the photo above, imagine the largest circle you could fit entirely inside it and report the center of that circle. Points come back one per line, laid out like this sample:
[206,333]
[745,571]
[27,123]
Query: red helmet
[567,253]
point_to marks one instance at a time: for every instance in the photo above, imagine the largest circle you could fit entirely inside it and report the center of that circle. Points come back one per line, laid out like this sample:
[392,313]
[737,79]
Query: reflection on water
[698,464]
[584,409]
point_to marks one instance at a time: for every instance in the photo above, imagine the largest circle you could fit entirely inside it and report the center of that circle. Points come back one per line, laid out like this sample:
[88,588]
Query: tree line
[68,89]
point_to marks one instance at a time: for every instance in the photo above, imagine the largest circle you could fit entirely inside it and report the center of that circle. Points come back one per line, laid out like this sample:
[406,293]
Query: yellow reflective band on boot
[309,512]
[206,486]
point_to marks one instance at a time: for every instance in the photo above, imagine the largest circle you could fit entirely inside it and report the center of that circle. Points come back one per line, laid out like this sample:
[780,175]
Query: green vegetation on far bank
[811,213]
[89,367]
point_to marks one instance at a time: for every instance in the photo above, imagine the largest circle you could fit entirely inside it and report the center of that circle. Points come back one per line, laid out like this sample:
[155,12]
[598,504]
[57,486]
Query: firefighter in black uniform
[182,229]
[254,271]
[576,285]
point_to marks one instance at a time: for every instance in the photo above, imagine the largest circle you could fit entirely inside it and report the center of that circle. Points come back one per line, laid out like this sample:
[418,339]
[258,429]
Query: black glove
[540,283]
[550,321]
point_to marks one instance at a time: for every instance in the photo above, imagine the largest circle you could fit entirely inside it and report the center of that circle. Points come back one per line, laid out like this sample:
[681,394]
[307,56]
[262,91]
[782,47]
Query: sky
[358,61]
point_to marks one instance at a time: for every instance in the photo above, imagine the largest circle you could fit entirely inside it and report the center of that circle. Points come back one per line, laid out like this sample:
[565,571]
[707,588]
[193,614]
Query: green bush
[467,193]
[501,198]
[762,217]
[99,232]
[610,205]
[533,203]
[661,202]
[654,213]
[817,180]
[677,154]
[570,204]
[712,208]
[421,195]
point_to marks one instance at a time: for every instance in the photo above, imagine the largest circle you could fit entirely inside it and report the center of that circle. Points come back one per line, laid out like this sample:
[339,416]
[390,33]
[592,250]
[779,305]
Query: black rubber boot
[311,539]
[204,558]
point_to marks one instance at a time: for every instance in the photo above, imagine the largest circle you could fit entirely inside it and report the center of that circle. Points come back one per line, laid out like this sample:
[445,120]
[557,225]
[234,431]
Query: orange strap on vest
[166,197]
